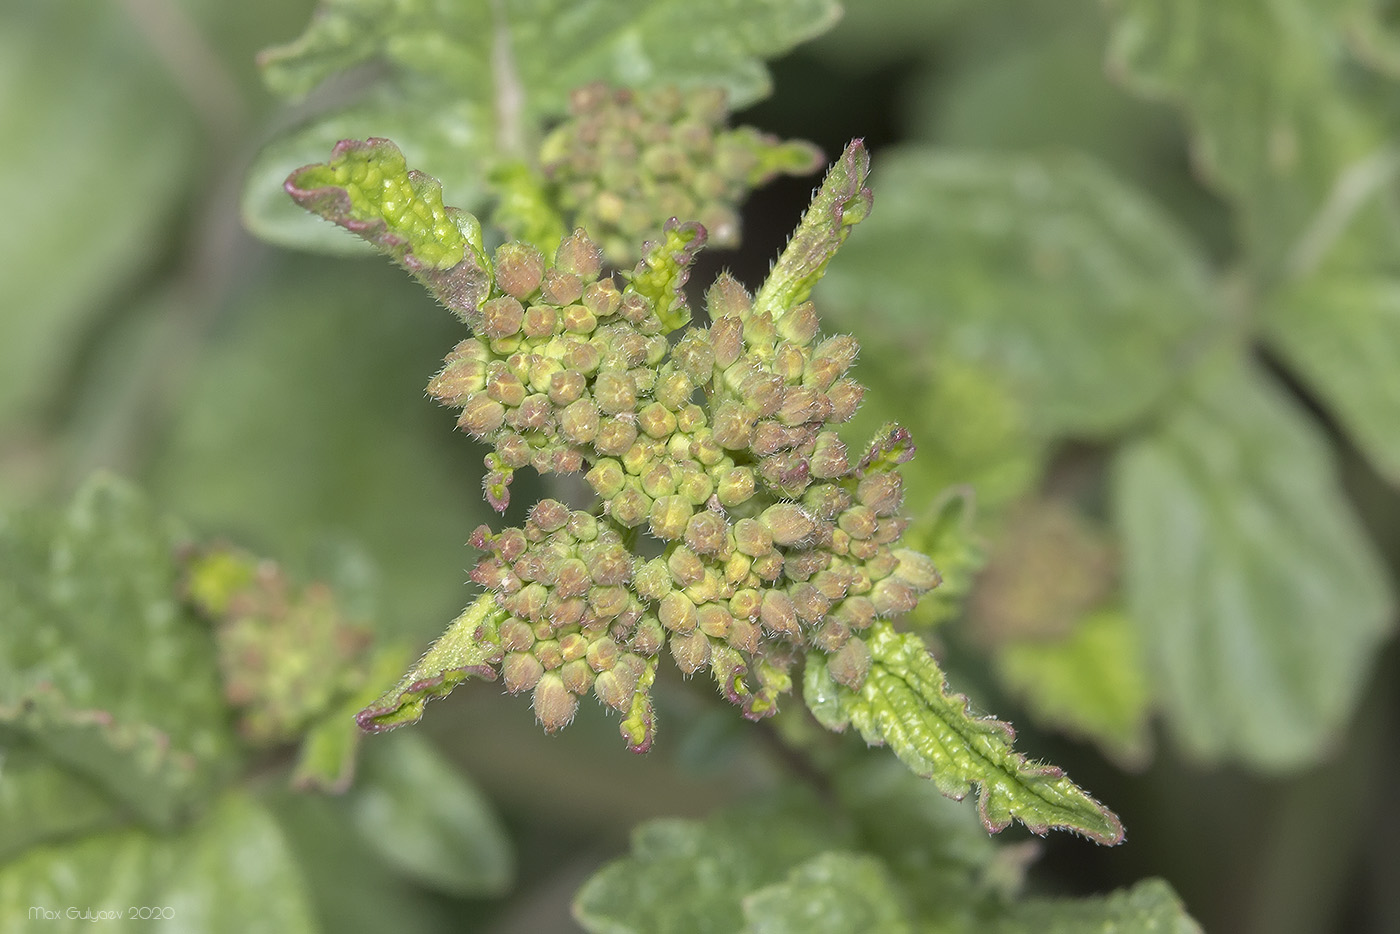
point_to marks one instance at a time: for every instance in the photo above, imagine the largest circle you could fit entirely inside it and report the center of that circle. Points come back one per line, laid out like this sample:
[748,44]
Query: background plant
[1164,379]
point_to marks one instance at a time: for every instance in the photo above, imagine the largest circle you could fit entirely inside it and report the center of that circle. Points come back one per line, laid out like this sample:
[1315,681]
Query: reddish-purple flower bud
[851,663]
[555,705]
[501,317]
[519,269]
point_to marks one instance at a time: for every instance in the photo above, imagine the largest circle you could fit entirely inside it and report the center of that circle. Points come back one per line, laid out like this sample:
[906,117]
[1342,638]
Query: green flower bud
[746,603]
[549,515]
[659,479]
[778,614]
[609,564]
[802,405]
[535,413]
[736,567]
[727,339]
[686,568]
[799,324]
[763,393]
[601,654]
[652,580]
[916,569]
[554,704]
[883,492]
[456,382]
[648,637]
[615,688]
[579,256]
[752,537]
[845,396]
[501,317]
[520,672]
[581,356]
[695,486]
[504,386]
[527,603]
[573,646]
[727,298]
[789,362]
[566,387]
[736,487]
[656,420]
[561,288]
[615,393]
[516,636]
[743,635]
[851,663]
[832,634]
[674,388]
[857,612]
[669,515]
[694,355]
[809,603]
[760,334]
[704,448]
[571,578]
[576,319]
[832,584]
[893,596]
[615,436]
[768,567]
[631,506]
[579,422]
[677,613]
[519,269]
[830,459]
[705,533]
[481,416]
[539,322]
[691,651]
[577,676]
[788,523]
[602,298]
[548,653]
[714,620]
[607,602]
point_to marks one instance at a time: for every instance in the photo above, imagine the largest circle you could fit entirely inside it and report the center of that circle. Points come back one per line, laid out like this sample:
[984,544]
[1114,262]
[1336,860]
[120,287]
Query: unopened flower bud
[520,672]
[736,487]
[555,705]
[686,568]
[752,537]
[744,635]
[615,436]
[501,317]
[631,506]
[669,515]
[733,425]
[607,478]
[656,420]
[768,567]
[571,578]
[851,663]
[576,319]
[893,596]
[802,405]
[916,569]
[727,339]
[695,486]
[746,603]
[882,492]
[858,612]
[458,381]
[759,332]
[788,523]
[579,256]
[519,269]
[845,396]
[677,613]
[577,676]
[799,324]
[549,515]
[560,287]
[714,620]
[648,637]
[778,614]
[705,533]
[566,386]
[615,393]
[832,634]
[582,357]
[601,654]
[727,298]
[516,636]
[579,422]
[601,298]
[810,604]
[691,651]
[481,416]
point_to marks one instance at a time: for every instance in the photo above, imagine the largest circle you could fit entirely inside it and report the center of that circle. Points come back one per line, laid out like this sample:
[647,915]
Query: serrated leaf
[1342,333]
[1259,598]
[467,649]
[467,84]
[834,893]
[104,140]
[1090,682]
[1073,287]
[425,819]
[1276,117]
[664,270]
[99,664]
[690,877]
[1150,907]
[368,188]
[906,704]
[231,872]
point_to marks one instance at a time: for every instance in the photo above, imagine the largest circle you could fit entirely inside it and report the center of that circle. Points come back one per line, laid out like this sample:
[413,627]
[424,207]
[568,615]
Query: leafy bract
[1150,907]
[1077,292]
[905,703]
[101,669]
[833,893]
[462,86]
[1259,598]
[102,139]
[1264,85]
[230,872]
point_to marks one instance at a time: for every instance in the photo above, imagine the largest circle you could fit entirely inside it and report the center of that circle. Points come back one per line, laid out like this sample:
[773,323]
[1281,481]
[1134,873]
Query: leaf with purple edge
[469,648]
[906,703]
[368,189]
[840,203]
[638,728]
[892,446]
[664,269]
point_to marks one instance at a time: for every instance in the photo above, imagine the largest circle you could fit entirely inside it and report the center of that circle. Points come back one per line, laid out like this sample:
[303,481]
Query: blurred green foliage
[1135,260]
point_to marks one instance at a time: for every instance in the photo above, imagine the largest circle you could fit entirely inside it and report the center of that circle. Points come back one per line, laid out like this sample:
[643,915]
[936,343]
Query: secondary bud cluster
[773,540]
[623,159]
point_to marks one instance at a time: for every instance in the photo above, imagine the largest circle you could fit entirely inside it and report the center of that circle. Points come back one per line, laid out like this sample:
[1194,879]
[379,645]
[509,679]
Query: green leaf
[839,204]
[664,269]
[1278,124]
[834,893]
[231,872]
[1092,682]
[368,189]
[103,141]
[691,877]
[906,703]
[42,801]
[1071,287]
[326,759]
[100,666]
[463,85]
[1342,333]
[1259,598]
[425,819]
[467,649]
[1150,907]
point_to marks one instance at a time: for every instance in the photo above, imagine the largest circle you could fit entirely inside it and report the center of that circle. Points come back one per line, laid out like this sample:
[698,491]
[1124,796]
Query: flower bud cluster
[623,159]
[721,447]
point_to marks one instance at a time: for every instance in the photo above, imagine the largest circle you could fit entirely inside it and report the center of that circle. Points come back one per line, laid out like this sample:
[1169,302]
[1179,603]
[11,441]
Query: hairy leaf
[424,818]
[834,893]
[1091,682]
[1342,333]
[691,877]
[1150,907]
[42,801]
[461,86]
[1259,598]
[99,665]
[467,649]
[1078,292]
[231,872]
[905,703]
[1277,123]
